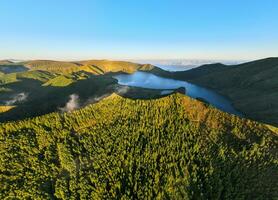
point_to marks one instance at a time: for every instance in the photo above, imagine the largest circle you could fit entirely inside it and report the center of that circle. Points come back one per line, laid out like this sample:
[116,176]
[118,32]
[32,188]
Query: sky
[138,29]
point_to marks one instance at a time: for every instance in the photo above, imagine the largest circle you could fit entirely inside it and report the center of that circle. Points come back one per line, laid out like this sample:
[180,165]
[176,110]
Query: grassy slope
[59,81]
[52,66]
[92,66]
[38,75]
[104,66]
[170,148]
[41,76]
[252,87]
[38,67]
[5,108]
[7,78]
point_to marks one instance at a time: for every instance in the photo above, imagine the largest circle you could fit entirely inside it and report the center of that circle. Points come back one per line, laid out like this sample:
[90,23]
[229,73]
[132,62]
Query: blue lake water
[148,80]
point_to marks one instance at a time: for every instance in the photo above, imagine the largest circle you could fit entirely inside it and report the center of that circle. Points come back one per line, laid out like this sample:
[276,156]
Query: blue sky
[138,29]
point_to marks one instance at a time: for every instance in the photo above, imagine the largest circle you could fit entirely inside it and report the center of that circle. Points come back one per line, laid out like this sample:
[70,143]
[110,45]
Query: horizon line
[135,59]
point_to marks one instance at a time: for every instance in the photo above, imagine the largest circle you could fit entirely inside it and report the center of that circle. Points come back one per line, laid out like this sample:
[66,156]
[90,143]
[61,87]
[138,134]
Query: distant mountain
[92,66]
[169,148]
[252,86]
[4,62]
[96,67]
[187,62]
[10,61]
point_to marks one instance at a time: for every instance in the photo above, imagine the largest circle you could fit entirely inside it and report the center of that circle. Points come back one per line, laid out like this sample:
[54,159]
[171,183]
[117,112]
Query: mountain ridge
[252,86]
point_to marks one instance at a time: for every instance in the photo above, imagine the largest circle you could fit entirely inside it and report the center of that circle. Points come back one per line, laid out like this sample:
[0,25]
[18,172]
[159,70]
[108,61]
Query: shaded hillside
[47,85]
[200,71]
[252,87]
[170,148]
[41,99]
[45,92]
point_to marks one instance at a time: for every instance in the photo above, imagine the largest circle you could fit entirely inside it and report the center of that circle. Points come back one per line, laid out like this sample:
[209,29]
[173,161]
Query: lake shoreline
[154,81]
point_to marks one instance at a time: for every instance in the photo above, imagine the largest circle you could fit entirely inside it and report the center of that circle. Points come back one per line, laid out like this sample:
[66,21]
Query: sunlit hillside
[170,148]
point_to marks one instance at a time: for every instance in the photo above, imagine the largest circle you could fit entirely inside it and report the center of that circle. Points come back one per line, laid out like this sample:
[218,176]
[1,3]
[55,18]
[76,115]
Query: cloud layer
[17,99]
[72,104]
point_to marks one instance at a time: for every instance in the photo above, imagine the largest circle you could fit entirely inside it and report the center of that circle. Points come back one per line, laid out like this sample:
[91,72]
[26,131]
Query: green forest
[169,148]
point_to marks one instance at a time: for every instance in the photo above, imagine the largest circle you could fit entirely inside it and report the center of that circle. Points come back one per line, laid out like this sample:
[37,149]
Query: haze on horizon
[146,29]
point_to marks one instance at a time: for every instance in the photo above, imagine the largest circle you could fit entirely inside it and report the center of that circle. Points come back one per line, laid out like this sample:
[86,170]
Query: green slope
[105,66]
[93,66]
[7,78]
[59,81]
[252,87]
[52,66]
[170,148]
[38,75]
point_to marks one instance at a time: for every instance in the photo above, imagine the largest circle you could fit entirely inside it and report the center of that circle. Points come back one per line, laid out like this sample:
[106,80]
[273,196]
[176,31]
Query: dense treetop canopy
[169,148]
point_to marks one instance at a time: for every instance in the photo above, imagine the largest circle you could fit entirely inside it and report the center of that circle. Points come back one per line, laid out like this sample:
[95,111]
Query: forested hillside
[252,86]
[170,148]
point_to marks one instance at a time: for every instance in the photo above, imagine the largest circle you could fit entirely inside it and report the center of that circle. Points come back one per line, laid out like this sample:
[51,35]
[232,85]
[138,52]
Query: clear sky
[138,29]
